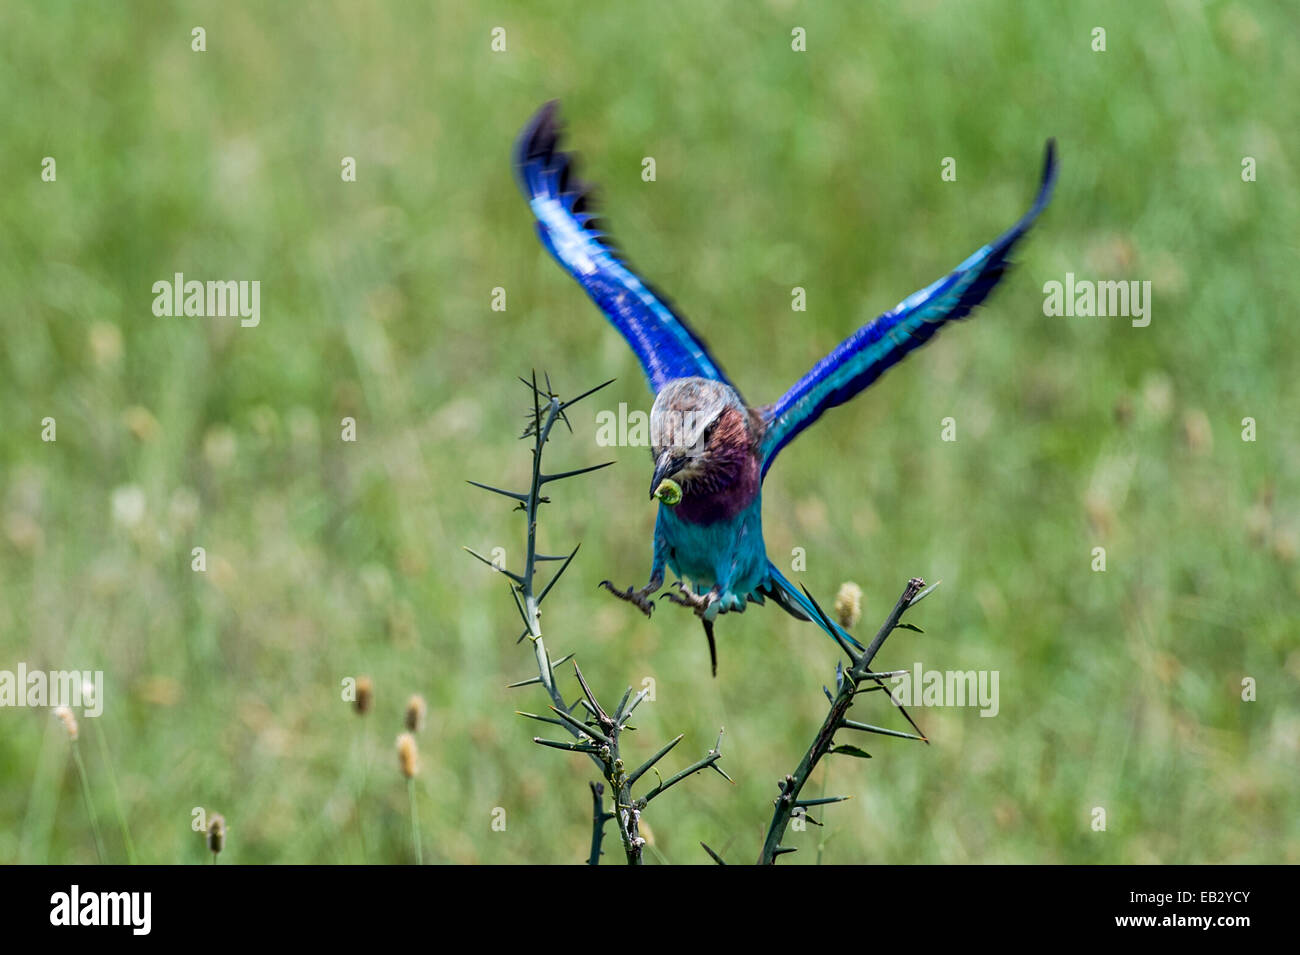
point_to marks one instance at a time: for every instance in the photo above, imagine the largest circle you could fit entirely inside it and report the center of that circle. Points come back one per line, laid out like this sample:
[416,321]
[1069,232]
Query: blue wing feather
[569,229]
[871,350]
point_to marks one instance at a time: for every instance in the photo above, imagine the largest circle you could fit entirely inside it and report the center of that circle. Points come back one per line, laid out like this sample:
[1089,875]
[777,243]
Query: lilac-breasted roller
[711,449]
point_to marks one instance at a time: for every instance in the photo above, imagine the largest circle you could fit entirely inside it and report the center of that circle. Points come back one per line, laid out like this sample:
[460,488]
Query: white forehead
[685,407]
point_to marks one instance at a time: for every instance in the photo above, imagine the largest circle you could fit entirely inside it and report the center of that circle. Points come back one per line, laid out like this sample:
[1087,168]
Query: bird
[711,450]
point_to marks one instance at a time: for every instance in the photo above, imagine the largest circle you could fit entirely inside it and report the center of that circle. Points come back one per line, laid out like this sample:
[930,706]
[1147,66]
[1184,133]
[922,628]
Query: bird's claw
[685,597]
[637,598]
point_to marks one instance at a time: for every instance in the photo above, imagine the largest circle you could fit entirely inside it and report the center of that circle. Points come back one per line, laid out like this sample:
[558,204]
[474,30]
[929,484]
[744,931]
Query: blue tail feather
[796,602]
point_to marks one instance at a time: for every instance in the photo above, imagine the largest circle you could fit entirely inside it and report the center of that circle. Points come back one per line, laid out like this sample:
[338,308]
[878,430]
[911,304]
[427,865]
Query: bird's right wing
[866,354]
[567,225]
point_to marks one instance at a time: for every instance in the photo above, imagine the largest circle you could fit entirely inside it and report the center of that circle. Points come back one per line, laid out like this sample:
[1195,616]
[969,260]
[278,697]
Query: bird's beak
[665,467]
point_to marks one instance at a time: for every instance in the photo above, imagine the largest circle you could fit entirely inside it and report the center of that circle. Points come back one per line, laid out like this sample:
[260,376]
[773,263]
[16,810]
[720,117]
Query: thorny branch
[595,732]
[849,684]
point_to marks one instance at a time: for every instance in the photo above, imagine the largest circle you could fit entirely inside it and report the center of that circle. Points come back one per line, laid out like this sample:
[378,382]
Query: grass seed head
[415,710]
[365,695]
[69,721]
[216,833]
[408,755]
[848,605]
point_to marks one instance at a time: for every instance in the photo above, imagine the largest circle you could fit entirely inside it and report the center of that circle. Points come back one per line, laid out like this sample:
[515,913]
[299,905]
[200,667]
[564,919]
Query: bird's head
[697,427]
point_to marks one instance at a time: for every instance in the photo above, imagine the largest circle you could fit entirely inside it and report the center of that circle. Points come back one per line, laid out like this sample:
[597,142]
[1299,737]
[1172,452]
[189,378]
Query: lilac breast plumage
[728,487]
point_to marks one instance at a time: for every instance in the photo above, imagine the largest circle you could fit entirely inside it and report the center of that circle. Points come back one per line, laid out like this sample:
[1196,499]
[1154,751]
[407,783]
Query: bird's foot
[637,598]
[702,604]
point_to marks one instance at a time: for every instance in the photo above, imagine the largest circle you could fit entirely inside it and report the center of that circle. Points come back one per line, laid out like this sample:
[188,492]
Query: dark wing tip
[542,167]
[1046,185]
[542,133]
[537,142]
[996,263]
[1048,182]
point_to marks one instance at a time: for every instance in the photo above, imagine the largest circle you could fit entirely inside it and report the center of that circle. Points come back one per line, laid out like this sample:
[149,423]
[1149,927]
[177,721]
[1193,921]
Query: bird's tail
[799,605]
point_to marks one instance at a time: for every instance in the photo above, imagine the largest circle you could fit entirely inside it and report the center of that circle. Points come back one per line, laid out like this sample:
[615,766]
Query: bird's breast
[722,495]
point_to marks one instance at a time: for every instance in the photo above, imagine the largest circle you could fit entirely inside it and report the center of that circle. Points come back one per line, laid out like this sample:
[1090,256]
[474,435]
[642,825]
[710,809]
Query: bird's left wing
[567,225]
[872,349]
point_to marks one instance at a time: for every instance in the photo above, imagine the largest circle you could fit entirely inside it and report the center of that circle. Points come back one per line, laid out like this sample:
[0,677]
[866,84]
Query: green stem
[821,842]
[117,798]
[598,819]
[361,791]
[415,821]
[85,795]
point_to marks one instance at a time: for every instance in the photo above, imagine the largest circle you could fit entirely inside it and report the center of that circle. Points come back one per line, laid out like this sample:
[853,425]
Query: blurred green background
[775,169]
